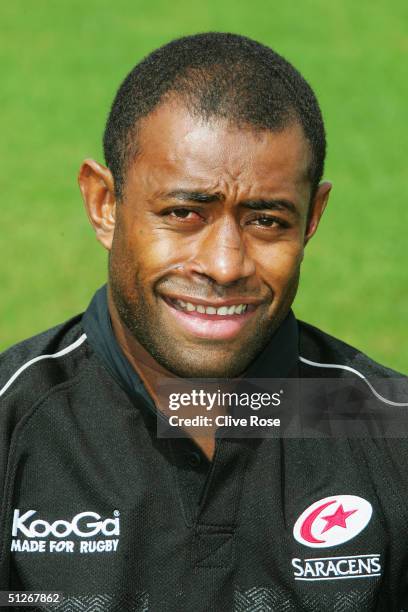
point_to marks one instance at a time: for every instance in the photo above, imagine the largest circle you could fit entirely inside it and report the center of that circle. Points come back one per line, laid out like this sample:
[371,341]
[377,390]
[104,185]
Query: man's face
[209,239]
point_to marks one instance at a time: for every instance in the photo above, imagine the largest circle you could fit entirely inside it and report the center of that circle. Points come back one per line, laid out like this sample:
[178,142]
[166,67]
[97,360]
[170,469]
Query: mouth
[215,321]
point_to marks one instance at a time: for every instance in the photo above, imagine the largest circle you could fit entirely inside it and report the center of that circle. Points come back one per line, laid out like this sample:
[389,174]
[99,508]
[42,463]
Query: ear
[97,188]
[317,208]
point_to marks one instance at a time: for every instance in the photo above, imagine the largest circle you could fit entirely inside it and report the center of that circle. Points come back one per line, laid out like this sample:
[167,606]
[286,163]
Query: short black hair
[216,75]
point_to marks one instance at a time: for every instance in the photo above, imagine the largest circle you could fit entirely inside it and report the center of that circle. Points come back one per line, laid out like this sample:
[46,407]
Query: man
[215,149]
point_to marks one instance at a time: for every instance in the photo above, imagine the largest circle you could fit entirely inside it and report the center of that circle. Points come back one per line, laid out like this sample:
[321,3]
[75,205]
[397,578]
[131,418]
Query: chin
[204,372]
[203,364]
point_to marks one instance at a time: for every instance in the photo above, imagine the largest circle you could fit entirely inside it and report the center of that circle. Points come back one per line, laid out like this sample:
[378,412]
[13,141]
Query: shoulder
[33,367]
[320,352]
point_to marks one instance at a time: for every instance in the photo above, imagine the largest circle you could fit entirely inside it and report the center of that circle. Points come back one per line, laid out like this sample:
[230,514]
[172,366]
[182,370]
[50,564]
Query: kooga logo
[84,525]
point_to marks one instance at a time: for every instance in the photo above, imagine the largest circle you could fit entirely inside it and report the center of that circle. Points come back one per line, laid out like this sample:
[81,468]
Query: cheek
[280,263]
[150,251]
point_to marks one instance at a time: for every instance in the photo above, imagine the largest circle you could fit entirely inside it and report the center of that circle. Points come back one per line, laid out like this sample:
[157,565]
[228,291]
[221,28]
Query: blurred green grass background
[61,63]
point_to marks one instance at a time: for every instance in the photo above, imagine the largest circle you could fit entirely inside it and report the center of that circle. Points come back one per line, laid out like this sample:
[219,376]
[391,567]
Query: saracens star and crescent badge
[332,521]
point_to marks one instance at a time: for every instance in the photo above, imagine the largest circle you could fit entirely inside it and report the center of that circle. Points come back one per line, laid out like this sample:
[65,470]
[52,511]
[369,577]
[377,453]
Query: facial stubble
[205,359]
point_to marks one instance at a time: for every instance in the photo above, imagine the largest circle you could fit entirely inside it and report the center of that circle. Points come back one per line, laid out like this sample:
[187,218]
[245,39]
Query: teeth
[222,311]
[212,310]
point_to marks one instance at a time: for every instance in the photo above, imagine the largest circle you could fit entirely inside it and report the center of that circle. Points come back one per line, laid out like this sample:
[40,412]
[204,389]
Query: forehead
[174,145]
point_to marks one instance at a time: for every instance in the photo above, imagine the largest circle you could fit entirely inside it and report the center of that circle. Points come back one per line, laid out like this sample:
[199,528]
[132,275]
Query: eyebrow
[258,204]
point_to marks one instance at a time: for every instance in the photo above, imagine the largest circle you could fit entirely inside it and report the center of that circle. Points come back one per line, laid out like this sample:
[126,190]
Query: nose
[222,255]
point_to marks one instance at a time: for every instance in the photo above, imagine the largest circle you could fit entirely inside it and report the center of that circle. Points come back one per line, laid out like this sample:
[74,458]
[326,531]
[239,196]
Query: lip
[216,303]
[210,327]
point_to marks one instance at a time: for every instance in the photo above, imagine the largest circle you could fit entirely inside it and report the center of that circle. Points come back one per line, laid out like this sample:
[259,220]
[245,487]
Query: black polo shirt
[95,505]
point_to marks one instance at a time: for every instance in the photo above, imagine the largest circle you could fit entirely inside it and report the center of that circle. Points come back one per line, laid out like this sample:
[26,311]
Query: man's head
[215,147]
[217,75]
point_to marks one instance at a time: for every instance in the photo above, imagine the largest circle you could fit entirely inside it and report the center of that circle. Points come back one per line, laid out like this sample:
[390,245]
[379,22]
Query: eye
[186,215]
[182,213]
[268,221]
